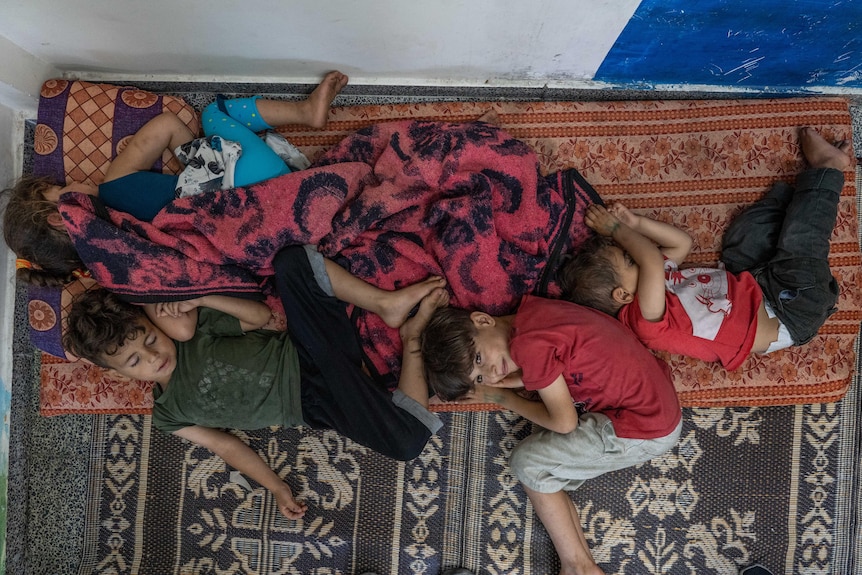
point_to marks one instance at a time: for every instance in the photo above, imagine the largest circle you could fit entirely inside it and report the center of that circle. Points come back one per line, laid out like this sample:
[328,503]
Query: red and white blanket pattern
[395,203]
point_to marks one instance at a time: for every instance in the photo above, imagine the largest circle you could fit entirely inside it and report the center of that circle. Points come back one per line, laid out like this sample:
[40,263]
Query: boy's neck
[505,321]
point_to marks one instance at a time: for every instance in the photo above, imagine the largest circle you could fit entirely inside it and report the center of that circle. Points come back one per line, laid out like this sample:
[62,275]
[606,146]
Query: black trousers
[336,393]
[783,240]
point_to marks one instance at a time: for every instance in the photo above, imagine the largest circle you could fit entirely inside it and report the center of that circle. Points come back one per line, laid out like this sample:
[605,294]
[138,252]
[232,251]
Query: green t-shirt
[229,379]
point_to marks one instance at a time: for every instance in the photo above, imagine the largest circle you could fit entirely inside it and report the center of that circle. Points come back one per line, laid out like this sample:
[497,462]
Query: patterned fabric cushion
[80,127]
[695,163]
[47,308]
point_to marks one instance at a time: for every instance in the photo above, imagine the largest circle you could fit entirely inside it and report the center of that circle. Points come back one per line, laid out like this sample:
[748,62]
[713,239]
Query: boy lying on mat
[774,289]
[631,413]
[213,368]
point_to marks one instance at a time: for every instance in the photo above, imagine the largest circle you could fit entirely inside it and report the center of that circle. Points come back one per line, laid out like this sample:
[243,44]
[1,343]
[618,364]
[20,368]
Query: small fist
[601,221]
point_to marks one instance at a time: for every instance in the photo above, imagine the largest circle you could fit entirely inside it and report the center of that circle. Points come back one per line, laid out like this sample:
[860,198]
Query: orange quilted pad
[695,163]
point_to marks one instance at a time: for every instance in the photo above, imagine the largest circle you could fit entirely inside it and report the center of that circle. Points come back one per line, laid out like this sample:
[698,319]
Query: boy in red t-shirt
[773,289]
[578,360]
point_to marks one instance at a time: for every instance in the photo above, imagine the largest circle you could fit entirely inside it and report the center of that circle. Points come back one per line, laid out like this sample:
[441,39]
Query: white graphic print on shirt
[703,294]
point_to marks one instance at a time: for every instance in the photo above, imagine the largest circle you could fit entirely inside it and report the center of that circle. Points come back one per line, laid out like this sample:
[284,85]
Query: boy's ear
[56,220]
[482,319]
[621,296]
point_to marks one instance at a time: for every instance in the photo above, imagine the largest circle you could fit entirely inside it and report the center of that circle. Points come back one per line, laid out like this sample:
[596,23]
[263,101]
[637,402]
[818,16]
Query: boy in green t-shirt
[214,368]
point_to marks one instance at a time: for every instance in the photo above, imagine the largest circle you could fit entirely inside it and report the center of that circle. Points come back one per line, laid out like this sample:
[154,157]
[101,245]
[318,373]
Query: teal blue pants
[241,124]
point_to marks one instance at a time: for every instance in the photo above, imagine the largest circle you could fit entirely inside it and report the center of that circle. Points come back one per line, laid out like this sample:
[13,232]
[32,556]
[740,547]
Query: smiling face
[151,356]
[492,361]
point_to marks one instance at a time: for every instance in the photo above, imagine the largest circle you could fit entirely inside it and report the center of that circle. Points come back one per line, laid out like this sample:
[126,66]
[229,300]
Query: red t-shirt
[710,314]
[605,367]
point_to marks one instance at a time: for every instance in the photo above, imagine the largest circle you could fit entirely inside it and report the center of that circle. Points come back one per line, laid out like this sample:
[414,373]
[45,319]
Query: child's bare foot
[821,154]
[411,330]
[490,117]
[398,304]
[317,104]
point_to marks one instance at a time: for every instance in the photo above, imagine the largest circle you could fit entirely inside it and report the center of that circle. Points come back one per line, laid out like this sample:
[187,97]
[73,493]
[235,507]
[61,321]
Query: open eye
[479,379]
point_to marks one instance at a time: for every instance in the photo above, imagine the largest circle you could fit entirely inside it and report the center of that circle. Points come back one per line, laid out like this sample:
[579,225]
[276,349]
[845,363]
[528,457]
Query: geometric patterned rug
[743,485]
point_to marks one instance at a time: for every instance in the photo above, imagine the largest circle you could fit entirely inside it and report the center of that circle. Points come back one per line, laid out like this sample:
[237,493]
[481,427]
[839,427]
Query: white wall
[463,42]
[20,78]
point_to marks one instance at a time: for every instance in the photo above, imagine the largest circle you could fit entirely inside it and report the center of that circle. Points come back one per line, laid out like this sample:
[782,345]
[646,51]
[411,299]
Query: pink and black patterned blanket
[394,203]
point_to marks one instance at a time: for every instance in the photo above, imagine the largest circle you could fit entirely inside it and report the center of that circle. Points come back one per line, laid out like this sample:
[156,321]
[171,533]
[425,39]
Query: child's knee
[210,110]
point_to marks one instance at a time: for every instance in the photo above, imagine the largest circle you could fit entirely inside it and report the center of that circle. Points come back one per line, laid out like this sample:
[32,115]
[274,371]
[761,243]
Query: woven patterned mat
[743,485]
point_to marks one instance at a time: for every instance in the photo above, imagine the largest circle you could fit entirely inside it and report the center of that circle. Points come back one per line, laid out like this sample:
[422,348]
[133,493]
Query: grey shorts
[548,461]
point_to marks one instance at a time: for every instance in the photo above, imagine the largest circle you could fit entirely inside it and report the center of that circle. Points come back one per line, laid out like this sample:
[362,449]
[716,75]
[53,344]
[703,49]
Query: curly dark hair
[29,233]
[99,323]
[448,351]
[589,277]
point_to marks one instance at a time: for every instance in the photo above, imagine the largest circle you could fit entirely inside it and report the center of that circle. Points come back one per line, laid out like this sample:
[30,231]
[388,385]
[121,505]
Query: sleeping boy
[213,368]
[773,289]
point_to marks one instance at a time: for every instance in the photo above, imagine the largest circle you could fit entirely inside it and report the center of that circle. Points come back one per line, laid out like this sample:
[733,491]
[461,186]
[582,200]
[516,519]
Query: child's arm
[179,319]
[177,325]
[243,458]
[673,242]
[650,285]
[556,411]
[412,381]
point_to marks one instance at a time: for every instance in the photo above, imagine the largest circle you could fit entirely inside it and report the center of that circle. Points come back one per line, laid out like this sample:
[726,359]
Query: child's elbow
[261,317]
[687,243]
[181,332]
[567,426]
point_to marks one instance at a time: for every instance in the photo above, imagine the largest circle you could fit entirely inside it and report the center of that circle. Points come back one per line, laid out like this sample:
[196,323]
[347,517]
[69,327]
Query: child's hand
[175,308]
[483,394]
[289,507]
[625,215]
[600,220]
[168,309]
[413,327]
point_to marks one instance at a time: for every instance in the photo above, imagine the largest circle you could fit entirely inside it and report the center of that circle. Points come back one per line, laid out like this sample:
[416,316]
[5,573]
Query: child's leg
[548,464]
[242,118]
[753,238]
[336,392]
[750,240]
[560,517]
[258,162]
[811,213]
[313,111]
[392,306]
[797,282]
[164,132]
